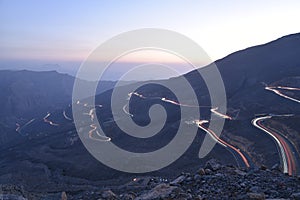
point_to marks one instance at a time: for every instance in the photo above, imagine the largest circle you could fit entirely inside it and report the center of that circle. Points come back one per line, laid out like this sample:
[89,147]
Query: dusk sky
[61,32]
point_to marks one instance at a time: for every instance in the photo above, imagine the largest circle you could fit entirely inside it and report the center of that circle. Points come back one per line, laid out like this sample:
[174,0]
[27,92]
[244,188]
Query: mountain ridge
[57,152]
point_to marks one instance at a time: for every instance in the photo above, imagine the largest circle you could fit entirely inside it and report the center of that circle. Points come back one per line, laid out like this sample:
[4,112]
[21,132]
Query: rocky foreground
[214,181]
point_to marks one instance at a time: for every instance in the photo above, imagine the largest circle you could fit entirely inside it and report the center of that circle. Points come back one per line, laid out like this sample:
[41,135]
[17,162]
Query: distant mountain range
[26,94]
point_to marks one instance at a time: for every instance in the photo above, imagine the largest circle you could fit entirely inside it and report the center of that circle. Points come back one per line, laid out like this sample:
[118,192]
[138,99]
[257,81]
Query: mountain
[214,181]
[28,94]
[260,81]
[25,93]
[254,80]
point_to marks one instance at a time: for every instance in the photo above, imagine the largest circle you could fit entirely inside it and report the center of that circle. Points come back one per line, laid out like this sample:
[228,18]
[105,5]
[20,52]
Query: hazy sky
[56,31]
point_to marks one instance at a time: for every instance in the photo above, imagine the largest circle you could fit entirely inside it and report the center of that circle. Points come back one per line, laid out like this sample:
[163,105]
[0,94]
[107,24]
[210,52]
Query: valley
[261,122]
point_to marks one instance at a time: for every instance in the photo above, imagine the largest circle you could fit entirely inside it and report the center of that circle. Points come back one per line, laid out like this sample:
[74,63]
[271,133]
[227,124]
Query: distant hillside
[25,93]
[29,94]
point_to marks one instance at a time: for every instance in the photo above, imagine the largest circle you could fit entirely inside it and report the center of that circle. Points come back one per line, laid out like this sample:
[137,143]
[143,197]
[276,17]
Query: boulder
[178,180]
[213,165]
[109,195]
[64,196]
[161,191]
[296,196]
[256,196]
[201,171]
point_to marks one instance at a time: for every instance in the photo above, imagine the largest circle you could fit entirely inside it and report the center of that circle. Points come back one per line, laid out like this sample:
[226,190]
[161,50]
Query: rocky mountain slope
[214,181]
[48,159]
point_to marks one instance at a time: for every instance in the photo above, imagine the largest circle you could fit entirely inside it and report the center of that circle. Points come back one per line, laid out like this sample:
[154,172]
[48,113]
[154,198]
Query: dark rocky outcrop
[226,182]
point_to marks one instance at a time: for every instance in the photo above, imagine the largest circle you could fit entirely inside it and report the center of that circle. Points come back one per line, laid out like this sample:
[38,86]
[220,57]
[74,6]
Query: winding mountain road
[99,137]
[276,91]
[66,117]
[46,120]
[214,136]
[91,133]
[19,127]
[213,110]
[285,152]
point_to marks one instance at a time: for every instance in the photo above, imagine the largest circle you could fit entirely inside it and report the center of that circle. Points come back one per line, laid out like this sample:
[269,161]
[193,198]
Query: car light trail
[214,110]
[125,110]
[286,155]
[66,117]
[273,89]
[48,121]
[214,136]
[101,138]
[19,127]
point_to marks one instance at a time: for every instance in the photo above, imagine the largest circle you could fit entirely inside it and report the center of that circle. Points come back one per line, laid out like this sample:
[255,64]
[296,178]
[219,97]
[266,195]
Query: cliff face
[27,93]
